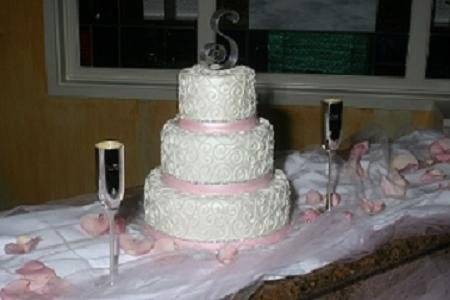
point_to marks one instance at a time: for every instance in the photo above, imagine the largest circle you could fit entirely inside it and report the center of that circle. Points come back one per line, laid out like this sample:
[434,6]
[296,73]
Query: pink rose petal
[348,215]
[16,287]
[23,244]
[354,168]
[442,157]
[358,150]
[55,287]
[313,197]
[134,246]
[227,254]
[335,199]
[98,224]
[165,245]
[435,148]
[121,225]
[37,282]
[31,267]
[38,274]
[440,150]
[42,280]
[20,290]
[445,143]
[310,215]
[432,175]
[354,160]
[94,224]
[405,162]
[372,207]
[398,179]
[395,187]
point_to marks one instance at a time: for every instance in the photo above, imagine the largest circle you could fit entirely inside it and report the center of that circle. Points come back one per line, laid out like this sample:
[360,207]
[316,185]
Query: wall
[47,143]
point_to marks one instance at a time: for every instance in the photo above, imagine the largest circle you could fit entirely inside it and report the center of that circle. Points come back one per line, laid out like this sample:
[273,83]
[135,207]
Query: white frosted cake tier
[216,218]
[217,157]
[217,95]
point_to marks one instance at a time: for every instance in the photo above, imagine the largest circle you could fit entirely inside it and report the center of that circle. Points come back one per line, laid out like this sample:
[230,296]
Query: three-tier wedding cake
[216,183]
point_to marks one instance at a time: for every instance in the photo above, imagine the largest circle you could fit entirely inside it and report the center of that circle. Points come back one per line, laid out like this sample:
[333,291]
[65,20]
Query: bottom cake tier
[217,218]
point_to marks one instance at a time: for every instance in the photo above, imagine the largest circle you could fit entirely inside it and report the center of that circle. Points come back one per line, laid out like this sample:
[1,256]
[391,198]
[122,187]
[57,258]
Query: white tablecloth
[188,274]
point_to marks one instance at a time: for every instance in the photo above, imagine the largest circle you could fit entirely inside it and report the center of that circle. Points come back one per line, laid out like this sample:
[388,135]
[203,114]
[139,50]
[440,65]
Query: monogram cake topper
[215,55]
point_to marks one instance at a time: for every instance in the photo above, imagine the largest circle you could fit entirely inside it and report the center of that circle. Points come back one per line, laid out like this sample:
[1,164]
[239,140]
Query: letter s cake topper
[215,55]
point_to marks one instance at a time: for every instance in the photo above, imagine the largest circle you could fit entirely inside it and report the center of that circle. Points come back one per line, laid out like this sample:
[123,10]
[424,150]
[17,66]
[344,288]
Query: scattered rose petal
[94,224]
[134,246]
[227,254]
[372,207]
[31,267]
[440,145]
[42,280]
[335,199]
[360,171]
[353,164]
[395,187]
[98,224]
[391,189]
[405,162]
[313,197]
[440,150]
[37,282]
[348,215]
[16,287]
[23,244]
[398,179]
[55,287]
[432,175]
[121,225]
[359,149]
[165,245]
[354,168]
[20,289]
[435,148]
[310,215]
[445,143]
[443,157]
[38,274]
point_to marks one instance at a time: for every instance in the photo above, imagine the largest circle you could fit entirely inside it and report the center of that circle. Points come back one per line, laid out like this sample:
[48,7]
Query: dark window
[381,51]
[438,65]
[131,34]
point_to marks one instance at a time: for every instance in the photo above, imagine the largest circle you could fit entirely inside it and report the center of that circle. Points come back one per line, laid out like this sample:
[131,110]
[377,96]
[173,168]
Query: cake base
[217,218]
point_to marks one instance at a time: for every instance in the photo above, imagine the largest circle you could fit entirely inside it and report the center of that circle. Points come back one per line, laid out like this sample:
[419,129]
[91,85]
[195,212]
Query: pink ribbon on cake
[243,244]
[217,189]
[218,127]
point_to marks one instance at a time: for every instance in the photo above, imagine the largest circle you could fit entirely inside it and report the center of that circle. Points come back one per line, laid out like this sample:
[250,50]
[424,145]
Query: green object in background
[318,53]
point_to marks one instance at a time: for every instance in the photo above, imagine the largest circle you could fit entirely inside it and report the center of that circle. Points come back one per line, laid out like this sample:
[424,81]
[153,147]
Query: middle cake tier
[214,158]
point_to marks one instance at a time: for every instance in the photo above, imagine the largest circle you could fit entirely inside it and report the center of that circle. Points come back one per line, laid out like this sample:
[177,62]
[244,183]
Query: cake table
[346,234]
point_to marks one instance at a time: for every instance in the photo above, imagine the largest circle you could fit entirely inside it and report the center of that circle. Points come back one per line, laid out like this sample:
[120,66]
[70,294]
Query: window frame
[67,78]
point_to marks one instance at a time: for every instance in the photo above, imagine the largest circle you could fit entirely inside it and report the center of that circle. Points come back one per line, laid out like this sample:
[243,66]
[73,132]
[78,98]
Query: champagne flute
[332,109]
[111,187]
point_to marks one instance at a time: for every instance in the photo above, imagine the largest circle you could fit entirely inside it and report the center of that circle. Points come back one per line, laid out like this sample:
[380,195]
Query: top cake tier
[227,95]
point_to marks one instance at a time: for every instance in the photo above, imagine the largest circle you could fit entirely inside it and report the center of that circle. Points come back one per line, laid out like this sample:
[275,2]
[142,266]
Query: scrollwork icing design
[210,158]
[216,217]
[212,95]
[214,54]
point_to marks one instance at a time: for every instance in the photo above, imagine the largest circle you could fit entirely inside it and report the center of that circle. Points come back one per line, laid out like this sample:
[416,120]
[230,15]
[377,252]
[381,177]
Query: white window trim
[67,78]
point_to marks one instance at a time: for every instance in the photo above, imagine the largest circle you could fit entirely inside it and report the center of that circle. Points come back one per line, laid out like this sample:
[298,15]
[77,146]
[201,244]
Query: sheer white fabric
[190,274]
